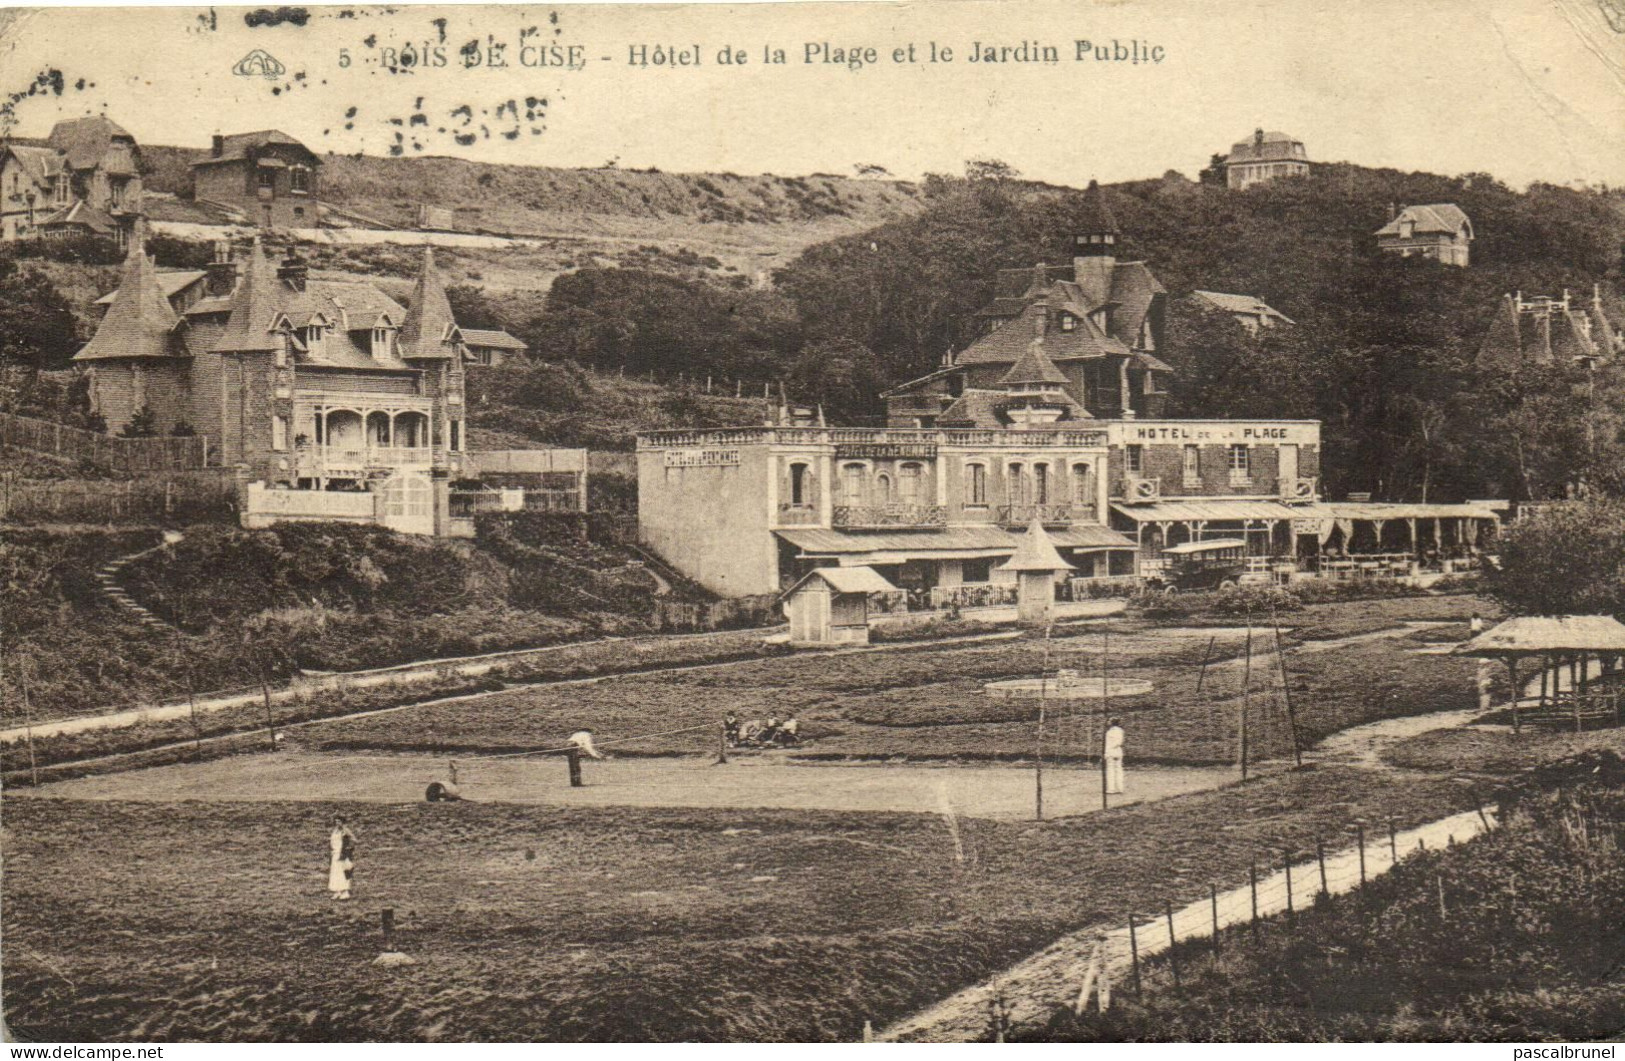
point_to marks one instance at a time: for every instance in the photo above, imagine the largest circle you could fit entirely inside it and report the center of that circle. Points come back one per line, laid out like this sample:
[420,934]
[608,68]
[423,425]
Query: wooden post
[1286,860]
[1173,959]
[1252,880]
[1213,898]
[1105,712]
[28,721]
[1443,913]
[1517,693]
[265,689]
[574,758]
[1320,856]
[722,745]
[1359,831]
[1202,674]
[1286,690]
[1393,840]
[1246,693]
[1134,954]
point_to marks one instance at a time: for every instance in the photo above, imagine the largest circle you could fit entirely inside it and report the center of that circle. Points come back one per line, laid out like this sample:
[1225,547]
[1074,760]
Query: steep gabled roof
[42,164]
[494,338]
[430,329]
[238,146]
[140,322]
[84,141]
[1033,366]
[1247,304]
[1432,219]
[255,307]
[1005,345]
[170,281]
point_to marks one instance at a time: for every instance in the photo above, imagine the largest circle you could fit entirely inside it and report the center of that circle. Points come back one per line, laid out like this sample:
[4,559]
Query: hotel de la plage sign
[702,458]
[1211,431]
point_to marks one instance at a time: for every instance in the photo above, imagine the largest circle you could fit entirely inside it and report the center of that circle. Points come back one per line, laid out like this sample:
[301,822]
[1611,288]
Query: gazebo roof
[1035,553]
[846,580]
[1534,635]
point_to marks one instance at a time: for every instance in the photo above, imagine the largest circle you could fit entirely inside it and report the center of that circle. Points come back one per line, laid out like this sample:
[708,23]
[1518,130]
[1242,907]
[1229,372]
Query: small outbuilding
[830,605]
[1590,647]
[1035,563]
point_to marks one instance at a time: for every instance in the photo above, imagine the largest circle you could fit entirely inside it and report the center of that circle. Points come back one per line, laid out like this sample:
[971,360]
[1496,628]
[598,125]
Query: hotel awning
[949,544]
[1385,510]
[1217,510]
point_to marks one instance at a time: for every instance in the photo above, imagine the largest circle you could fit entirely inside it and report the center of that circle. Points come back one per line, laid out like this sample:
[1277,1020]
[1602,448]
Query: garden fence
[188,497]
[132,456]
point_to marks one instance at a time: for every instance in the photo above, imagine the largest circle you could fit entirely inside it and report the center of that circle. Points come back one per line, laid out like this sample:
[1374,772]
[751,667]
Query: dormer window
[314,337]
[380,343]
[299,180]
[267,178]
[61,189]
[1068,322]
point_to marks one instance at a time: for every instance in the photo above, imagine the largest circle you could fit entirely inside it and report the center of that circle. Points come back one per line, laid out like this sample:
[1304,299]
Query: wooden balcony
[339,462]
[1018,516]
[889,516]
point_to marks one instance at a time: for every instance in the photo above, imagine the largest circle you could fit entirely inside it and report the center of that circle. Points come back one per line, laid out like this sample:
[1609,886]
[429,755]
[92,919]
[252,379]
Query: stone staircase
[107,578]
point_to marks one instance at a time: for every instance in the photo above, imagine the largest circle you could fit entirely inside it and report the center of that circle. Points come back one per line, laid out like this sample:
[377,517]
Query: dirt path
[767,781]
[1053,976]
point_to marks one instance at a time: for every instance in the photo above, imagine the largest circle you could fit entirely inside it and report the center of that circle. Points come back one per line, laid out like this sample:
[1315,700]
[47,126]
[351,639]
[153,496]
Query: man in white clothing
[1114,757]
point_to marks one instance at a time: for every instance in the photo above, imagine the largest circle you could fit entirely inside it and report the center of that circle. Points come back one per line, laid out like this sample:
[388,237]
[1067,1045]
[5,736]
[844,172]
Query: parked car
[1198,566]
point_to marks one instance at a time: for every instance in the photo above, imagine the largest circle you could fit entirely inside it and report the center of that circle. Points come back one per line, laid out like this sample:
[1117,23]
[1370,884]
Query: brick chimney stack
[222,272]
[218,147]
[294,271]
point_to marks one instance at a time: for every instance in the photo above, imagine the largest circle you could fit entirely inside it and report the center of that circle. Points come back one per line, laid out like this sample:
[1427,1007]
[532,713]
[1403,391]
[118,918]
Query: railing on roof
[1052,515]
[923,440]
[889,516]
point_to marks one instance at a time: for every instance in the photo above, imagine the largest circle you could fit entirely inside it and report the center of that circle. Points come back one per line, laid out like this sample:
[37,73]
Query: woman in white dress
[341,867]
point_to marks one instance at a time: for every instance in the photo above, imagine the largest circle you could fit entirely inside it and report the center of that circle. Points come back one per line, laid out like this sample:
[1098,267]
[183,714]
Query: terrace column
[826,490]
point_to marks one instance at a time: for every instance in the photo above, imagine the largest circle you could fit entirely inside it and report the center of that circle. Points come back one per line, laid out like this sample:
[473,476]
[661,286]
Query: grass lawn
[928,701]
[542,923]
[1497,751]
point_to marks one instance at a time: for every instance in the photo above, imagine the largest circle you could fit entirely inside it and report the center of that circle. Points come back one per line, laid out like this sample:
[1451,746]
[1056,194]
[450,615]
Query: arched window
[1015,487]
[798,486]
[1041,484]
[883,488]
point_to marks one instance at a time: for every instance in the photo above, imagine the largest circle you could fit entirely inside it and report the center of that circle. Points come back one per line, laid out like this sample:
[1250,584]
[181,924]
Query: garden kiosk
[830,605]
[1575,642]
[1035,563]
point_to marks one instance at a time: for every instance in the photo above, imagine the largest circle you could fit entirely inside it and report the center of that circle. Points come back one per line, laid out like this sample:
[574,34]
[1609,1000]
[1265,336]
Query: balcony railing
[890,516]
[871,436]
[352,462]
[1048,515]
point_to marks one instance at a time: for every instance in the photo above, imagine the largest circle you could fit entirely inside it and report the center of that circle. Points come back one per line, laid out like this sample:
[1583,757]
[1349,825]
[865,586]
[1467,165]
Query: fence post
[1213,896]
[1173,959]
[1359,832]
[1286,860]
[1393,840]
[1320,856]
[1134,954]
[1252,880]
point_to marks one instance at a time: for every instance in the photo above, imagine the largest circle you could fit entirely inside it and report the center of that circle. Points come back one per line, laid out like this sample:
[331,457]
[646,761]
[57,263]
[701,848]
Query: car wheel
[1227,585]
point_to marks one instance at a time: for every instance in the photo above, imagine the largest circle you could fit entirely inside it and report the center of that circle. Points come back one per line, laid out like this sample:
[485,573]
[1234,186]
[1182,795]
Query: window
[1082,495]
[380,343]
[798,486]
[61,188]
[280,357]
[115,193]
[1013,485]
[1193,464]
[279,432]
[975,485]
[1041,484]
[883,487]
[1241,467]
[1068,322]
[456,436]
[299,180]
[299,212]
[908,484]
[852,485]
[978,570]
[267,178]
[1134,459]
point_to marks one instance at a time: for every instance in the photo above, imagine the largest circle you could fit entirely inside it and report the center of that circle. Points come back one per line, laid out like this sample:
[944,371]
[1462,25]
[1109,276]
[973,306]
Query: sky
[1524,89]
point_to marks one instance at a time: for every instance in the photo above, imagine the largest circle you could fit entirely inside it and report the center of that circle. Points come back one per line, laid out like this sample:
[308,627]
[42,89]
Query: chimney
[218,147]
[1258,138]
[1393,211]
[294,271]
[948,357]
[221,274]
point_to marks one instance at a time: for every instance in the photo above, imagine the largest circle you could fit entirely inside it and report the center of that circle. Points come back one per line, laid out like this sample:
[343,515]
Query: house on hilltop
[83,179]
[491,346]
[267,175]
[1264,157]
[1543,330]
[315,388]
[1440,231]
[1087,332]
[1251,313]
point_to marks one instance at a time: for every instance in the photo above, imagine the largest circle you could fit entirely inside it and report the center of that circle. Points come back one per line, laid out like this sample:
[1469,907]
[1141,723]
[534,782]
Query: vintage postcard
[1045,522]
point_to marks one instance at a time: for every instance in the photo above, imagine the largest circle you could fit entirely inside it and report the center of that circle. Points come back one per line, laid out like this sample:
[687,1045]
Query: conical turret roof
[140,322]
[1036,552]
[255,306]
[430,329]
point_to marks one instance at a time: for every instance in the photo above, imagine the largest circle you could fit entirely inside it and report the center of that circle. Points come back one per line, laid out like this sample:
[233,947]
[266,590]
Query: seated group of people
[761,733]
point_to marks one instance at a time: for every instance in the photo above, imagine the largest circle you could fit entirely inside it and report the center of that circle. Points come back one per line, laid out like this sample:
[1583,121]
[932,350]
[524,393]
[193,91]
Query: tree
[143,424]
[1567,560]
[37,327]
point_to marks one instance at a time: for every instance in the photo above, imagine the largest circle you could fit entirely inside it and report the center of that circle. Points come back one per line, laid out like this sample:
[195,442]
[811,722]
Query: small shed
[830,605]
[1590,647]
[1035,563]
